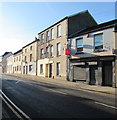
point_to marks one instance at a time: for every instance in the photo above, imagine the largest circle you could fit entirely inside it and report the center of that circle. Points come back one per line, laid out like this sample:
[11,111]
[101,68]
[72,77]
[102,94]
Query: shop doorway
[107,73]
[93,74]
[50,70]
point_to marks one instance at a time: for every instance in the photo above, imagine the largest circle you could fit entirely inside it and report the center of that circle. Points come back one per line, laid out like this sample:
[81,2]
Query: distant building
[17,62]
[52,61]
[0,64]
[9,60]
[29,58]
[92,59]
[4,61]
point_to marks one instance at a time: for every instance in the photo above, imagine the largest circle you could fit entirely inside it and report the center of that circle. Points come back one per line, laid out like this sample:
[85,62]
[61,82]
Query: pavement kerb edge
[99,91]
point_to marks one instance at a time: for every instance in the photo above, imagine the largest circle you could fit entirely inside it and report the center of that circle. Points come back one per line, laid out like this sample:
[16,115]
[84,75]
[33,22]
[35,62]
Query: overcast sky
[20,22]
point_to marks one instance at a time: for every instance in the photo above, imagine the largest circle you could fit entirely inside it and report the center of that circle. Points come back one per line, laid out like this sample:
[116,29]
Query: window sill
[80,52]
[51,56]
[99,50]
[58,75]
[41,73]
[59,36]
[58,55]
[41,58]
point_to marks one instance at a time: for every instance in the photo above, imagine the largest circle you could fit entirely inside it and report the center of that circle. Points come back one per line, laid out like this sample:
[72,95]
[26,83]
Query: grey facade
[92,60]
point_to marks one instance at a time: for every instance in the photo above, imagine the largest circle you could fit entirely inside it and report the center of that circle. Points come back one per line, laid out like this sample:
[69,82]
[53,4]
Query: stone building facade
[52,61]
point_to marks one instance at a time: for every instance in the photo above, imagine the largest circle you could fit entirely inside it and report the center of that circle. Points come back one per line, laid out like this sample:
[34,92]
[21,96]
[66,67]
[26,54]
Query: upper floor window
[58,30]
[47,35]
[51,50]
[30,47]
[25,59]
[42,53]
[17,68]
[19,58]
[52,34]
[42,38]
[58,49]
[25,50]
[30,57]
[98,41]
[47,52]
[79,44]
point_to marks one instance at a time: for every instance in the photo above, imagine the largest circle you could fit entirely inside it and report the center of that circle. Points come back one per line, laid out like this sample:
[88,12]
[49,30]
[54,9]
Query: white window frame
[48,35]
[58,49]
[42,53]
[80,46]
[58,30]
[47,52]
[96,48]
[42,38]
[51,50]
[52,33]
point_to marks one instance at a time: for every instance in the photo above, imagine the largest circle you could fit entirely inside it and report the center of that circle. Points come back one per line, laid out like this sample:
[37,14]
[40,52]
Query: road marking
[16,113]
[19,110]
[106,105]
[17,82]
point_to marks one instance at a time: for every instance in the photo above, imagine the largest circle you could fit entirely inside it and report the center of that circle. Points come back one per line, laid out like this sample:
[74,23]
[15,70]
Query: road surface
[42,100]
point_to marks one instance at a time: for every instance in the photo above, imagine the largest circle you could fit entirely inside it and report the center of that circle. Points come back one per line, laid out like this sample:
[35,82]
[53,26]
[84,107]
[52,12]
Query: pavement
[68,84]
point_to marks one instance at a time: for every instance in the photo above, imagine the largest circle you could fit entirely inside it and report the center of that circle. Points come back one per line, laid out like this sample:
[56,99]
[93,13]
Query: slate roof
[98,27]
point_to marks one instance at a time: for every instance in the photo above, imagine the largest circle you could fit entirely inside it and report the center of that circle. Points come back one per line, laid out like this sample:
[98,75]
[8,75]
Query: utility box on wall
[67,51]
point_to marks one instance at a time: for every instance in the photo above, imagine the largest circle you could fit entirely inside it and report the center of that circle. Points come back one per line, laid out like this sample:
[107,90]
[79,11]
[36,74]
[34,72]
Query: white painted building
[92,59]
[10,64]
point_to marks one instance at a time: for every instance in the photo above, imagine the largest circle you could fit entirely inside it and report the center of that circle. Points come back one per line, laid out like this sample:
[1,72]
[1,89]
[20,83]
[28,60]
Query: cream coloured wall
[10,64]
[26,53]
[17,62]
